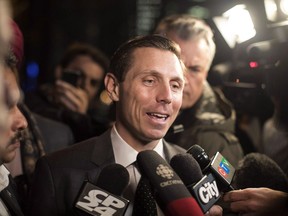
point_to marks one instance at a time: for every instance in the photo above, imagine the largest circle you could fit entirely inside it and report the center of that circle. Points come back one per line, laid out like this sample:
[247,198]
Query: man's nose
[164,94]
[20,122]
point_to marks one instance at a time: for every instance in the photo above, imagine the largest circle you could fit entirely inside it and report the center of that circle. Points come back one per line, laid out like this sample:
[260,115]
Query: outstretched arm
[258,202]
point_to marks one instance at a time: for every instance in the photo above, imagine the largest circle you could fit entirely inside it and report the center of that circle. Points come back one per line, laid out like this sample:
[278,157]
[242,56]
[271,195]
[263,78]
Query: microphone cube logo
[206,192]
[223,167]
[99,202]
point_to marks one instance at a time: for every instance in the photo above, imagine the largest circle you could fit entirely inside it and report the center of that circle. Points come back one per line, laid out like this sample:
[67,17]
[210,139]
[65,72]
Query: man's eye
[175,86]
[194,69]
[149,81]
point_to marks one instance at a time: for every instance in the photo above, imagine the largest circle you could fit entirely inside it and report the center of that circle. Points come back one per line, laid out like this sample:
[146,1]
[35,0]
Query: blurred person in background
[266,201]
[275,130]
[74,97]
[206,117]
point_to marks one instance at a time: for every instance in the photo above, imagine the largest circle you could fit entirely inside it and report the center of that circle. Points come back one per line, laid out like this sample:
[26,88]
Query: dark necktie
[144,203]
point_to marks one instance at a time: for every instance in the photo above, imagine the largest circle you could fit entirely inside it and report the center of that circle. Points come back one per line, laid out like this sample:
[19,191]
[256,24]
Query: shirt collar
[124,154]
[4,180]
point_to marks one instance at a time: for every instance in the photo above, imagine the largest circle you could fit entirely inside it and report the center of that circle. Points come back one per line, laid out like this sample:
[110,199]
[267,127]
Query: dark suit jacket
[60,175]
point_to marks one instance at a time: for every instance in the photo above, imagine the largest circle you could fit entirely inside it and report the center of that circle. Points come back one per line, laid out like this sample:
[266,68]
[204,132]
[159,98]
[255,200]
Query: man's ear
[112,86]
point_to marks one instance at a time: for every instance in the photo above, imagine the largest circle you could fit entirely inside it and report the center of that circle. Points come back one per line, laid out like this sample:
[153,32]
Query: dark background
[50,25]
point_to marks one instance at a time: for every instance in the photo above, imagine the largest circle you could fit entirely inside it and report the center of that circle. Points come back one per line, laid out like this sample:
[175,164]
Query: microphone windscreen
[258,170]
[170,190]
[113,178]
[187,168]
[199,155]
[164,180]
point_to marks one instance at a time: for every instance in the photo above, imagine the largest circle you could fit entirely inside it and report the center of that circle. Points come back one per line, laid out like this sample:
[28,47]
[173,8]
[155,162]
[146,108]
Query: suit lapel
[8,197]
[171,150]
[103,151]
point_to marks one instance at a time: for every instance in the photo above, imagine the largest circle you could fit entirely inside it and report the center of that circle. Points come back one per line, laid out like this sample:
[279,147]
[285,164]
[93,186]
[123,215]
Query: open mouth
[158,116]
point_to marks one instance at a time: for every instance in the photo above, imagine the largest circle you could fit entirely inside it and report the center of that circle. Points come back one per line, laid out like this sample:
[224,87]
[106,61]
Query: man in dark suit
[146,80]
[15,125]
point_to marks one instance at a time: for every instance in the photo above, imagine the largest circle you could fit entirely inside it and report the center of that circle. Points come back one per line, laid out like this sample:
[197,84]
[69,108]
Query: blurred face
[93,74]
[4,117]
[150,96]
[18,121]
[195,55]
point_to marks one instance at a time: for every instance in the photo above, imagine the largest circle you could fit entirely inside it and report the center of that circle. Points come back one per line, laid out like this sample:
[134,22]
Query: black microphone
[218,166]
[170,192]
[105,198]
[256,170]
[203,188]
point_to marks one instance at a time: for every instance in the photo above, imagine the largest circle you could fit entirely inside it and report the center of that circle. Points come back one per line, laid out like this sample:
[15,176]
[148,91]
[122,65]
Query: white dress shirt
[126,156]
[4,182]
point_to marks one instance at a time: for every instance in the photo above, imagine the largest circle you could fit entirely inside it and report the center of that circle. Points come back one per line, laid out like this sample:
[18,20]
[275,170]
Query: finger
[63,84]
[236,195]
[240,206]
[215,211]
[67,103]
[75,94]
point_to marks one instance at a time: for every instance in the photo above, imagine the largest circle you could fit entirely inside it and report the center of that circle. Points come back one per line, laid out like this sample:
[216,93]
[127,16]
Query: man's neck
[137,144]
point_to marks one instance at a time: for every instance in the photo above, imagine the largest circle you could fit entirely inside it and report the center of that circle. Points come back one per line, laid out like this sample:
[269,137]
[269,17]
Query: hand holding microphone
[105,198]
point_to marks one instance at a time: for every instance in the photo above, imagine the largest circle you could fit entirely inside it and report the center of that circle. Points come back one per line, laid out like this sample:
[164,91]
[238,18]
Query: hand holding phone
[72,77]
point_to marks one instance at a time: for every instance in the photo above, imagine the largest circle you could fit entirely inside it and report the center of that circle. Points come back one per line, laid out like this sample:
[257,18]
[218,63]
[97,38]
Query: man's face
[93,74]
[195,55]
[5,121]
[18,121]
[150,96]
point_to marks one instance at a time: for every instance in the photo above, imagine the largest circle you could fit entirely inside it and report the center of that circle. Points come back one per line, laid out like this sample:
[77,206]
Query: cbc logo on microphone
[164,171]
[167,174]
[99,202]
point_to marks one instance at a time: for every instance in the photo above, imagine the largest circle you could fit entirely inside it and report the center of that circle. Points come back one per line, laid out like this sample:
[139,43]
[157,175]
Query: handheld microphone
[105,198]
[218,166]
[203,188]
[171,193]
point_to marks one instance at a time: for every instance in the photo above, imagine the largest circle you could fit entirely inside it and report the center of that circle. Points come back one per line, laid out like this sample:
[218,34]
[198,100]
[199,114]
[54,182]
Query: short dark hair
[122,59]
[76,49]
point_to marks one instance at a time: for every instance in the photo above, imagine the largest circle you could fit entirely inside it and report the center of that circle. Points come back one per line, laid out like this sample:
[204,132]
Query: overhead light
[271,9]
[276,10]
[235,25]
[284,7]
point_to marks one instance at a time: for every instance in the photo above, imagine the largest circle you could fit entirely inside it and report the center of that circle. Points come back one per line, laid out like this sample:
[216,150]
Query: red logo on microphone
[222,171]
